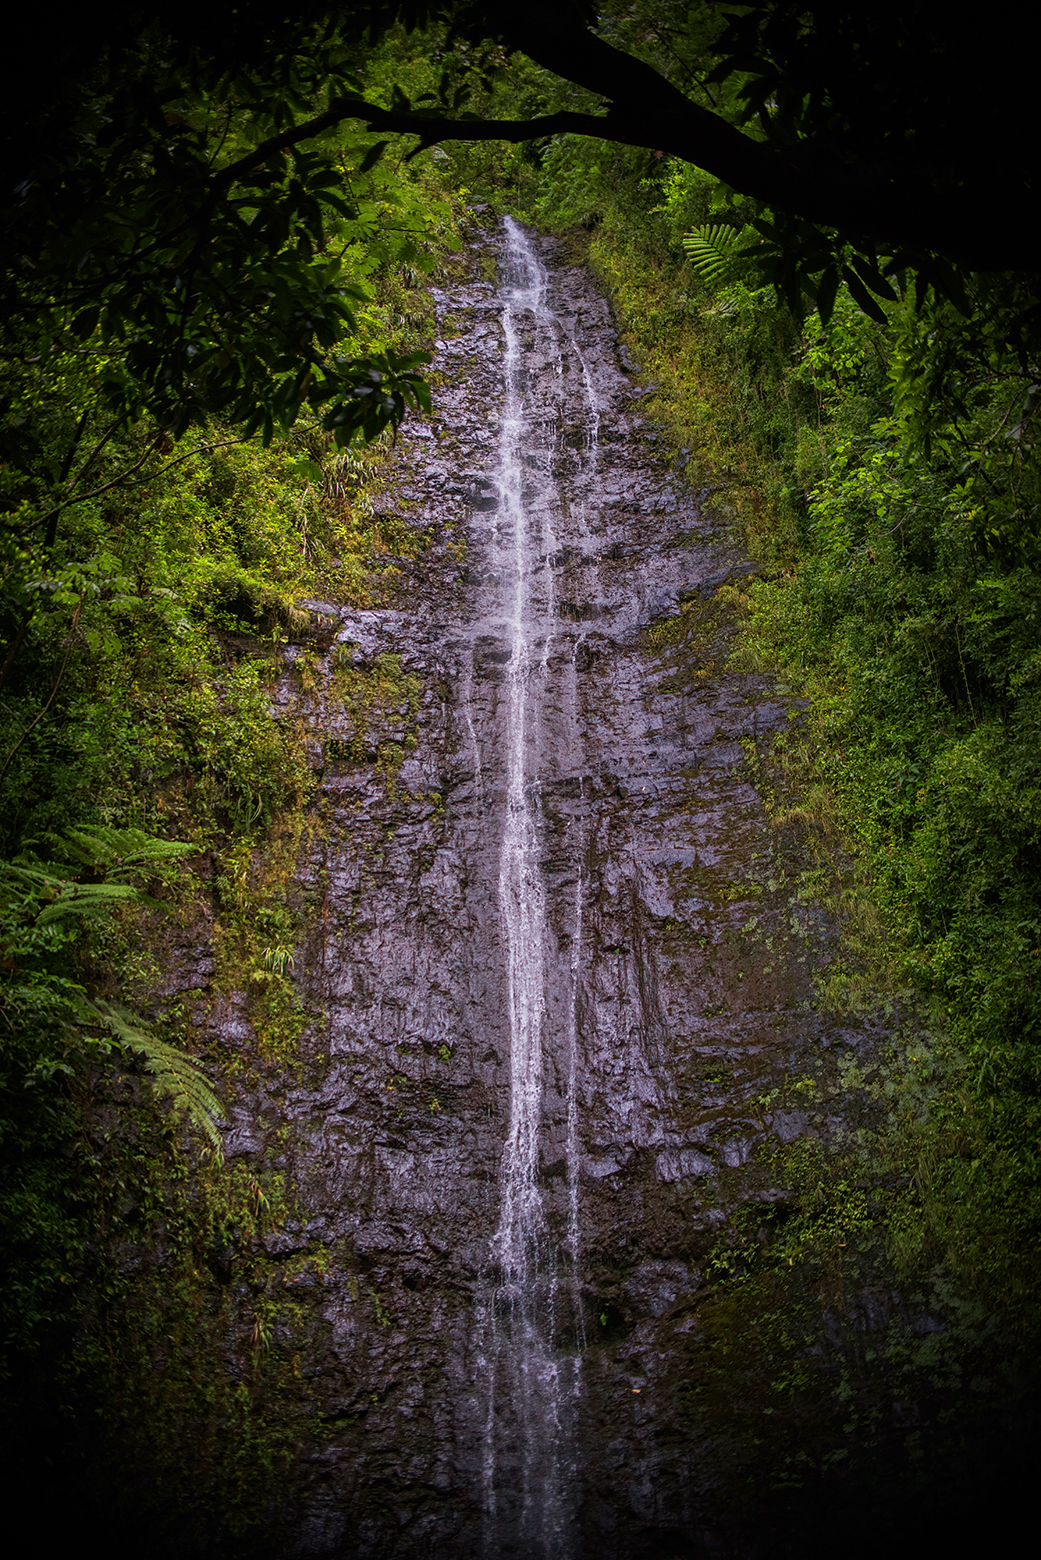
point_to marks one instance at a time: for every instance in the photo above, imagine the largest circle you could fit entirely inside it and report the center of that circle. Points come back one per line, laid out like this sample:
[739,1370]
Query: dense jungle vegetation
[867,420]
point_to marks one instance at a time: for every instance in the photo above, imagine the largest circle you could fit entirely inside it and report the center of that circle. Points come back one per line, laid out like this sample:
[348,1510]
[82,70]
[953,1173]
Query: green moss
[908,776]
[382,703]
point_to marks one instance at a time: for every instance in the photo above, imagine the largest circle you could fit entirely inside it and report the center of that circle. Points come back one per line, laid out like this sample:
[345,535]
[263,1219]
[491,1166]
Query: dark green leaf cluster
[52,1034]
[173,224]
[36,896]
[896,99]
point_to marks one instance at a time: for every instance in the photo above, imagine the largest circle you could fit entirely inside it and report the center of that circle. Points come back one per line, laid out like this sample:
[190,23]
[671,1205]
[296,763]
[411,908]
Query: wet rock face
[673,948]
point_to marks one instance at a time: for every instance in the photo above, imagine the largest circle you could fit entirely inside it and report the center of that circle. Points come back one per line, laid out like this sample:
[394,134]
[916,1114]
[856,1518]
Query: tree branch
[51,518]
[647,110]
[644,109]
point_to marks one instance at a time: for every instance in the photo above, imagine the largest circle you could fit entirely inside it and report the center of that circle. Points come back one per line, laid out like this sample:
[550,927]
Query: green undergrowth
[135,1272]
[885,478]
[882,1301]
[156,1357]
[178,1400]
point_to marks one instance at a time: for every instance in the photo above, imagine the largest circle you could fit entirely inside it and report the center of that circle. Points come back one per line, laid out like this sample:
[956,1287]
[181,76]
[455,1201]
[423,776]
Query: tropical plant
[40,902]
[713,251]
[174,1075]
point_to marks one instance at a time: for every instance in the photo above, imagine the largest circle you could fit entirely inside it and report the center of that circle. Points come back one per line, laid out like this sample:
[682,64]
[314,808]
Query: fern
[118,852]
[173,1073]
[88,899]
[27,886]
[38,894]
[714,252]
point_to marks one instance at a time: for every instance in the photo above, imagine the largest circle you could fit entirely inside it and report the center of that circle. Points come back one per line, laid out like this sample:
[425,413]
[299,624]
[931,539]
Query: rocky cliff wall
[677,970]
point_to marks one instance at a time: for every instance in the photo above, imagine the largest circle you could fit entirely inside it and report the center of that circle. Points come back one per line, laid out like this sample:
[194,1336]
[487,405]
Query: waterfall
[531,1386]
[558,964]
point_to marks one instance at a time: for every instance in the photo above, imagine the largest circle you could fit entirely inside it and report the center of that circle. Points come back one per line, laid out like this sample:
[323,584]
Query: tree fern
[173,1073]
[88,899]
[714,252]
[116,854]
[29,885]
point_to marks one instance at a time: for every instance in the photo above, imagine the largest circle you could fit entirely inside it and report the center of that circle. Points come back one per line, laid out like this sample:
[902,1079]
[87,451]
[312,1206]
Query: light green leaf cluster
[173,1073]
[715,252]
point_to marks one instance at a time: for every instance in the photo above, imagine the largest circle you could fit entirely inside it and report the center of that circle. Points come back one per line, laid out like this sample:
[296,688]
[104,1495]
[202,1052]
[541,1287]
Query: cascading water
[531,1387]
[554,968]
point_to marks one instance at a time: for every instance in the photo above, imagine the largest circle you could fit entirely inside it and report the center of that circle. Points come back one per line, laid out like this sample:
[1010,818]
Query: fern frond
[119,850]
[173,1073]
[65,897]
[17,881]
[116,854]
[86,899]
[713,251]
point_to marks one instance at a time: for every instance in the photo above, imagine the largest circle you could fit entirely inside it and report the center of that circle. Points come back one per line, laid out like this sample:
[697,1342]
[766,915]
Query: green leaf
[173,1073]
[862,296]
[827,288]
[873,278]
[121,850]
[87,899]
[713,250]
[373,155]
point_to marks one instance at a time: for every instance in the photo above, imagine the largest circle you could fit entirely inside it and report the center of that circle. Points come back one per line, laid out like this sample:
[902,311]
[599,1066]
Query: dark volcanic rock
[676,950]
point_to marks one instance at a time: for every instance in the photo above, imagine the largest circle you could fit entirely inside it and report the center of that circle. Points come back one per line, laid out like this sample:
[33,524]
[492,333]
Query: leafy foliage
[204,275]
[159,269]
[712,250]
[882,464]
[173,1074]
[32,900]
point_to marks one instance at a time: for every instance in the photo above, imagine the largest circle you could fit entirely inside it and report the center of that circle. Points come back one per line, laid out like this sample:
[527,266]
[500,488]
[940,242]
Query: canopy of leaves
[175,209]
[165,222]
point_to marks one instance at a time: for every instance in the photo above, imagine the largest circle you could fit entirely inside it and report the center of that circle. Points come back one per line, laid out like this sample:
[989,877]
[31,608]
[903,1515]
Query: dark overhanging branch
[642,108]
[432,131]
[892,208]
[109,433]
[735,154]
[725,151]
[902,219]
[885,211]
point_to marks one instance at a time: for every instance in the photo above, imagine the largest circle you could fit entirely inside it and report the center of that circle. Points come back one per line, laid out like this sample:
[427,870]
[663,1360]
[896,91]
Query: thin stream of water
[592,405]
[532,1384]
